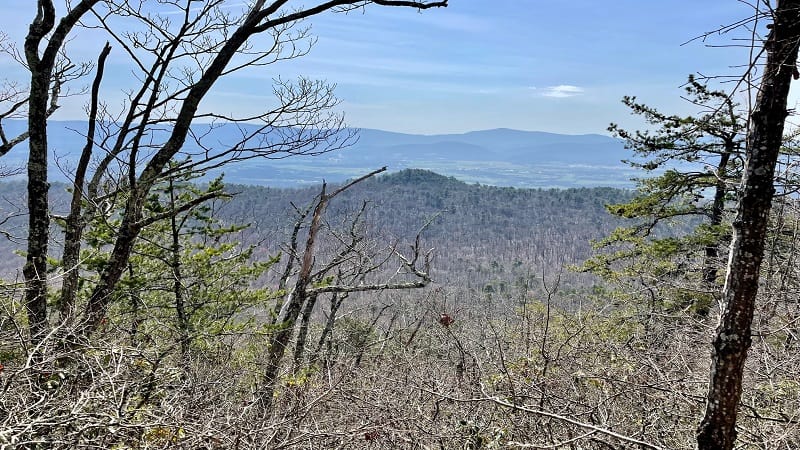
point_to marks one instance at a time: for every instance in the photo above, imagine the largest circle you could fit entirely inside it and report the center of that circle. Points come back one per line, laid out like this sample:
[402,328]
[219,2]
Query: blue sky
[480,64]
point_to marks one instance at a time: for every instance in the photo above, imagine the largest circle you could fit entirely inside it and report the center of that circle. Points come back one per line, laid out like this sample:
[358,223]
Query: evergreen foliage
[678,221]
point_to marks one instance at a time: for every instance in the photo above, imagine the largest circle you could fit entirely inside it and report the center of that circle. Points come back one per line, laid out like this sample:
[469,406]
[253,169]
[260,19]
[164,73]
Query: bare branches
[587,426]
[309,285]
[344,4]
[178,50]
[419,5]
[15,211]
[77,218]
[717,430]
[183,207]
[18,99]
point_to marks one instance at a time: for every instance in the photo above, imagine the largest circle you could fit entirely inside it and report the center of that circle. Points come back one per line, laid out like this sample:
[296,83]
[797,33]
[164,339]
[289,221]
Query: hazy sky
[559,66]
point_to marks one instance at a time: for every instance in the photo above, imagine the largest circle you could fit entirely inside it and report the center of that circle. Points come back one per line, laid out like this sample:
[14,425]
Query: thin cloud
[562,91]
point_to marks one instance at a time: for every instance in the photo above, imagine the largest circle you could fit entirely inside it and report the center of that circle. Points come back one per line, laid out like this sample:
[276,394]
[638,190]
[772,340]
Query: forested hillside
[483,235]
[149,302]
[484,356]
[504,325]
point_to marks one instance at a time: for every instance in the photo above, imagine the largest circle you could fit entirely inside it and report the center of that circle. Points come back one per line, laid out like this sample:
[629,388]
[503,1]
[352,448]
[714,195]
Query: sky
[544,65]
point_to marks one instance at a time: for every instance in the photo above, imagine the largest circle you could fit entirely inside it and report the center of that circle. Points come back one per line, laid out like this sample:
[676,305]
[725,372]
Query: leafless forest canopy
[145,304]
[481,233]
[528,330]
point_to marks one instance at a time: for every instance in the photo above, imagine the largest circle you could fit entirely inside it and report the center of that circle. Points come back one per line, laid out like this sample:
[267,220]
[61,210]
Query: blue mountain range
[501,157]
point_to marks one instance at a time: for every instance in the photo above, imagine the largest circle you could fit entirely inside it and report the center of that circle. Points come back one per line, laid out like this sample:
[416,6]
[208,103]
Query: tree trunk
[327,332]
[42,101]
[177,279]
[75,222]
[717,431]
[302,334]
[280,339]
[715,219]
[35,270]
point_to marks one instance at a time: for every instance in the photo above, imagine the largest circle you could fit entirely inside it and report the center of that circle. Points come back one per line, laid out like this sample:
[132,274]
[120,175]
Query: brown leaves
[446,320]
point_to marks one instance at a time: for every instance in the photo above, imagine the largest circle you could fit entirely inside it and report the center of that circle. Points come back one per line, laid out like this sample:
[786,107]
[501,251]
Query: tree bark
[75,223]
[35,269]
[302,333]
[715,218]
[41,103]
[717,431]
[298,297]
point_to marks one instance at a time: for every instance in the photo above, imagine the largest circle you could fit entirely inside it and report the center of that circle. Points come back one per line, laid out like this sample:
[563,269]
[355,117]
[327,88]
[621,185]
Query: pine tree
[678,223]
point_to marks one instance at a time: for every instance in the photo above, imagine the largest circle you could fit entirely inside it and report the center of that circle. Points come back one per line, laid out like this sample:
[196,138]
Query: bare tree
[42,99]
[309,283]
[177,60]
[733,338]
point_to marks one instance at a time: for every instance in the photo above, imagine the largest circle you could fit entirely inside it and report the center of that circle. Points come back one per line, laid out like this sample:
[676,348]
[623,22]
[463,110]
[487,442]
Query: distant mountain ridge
[501,156]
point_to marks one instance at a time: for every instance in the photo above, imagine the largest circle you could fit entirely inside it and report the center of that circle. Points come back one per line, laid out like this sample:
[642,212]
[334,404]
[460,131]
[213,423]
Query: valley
[500,157]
